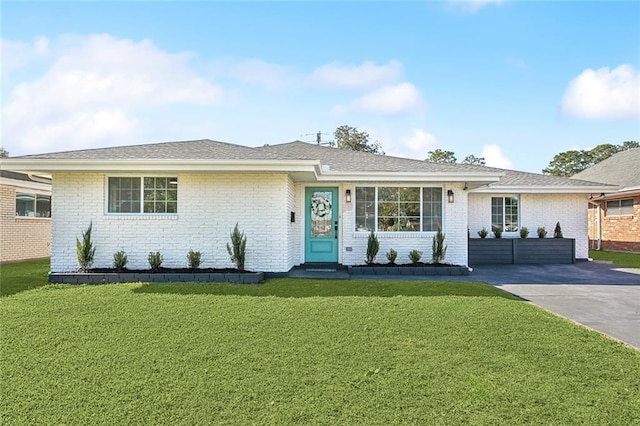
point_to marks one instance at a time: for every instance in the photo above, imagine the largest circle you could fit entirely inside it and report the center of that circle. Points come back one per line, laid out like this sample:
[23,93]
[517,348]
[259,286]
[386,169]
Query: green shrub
[483,233]
[438,248]
[373,245]
[524,232]
[391,256]
[497,232]
[119,260]
[194,258]
[85,251]
[155,260]
[415,256]
[238,247]
[542,233]
[557,232]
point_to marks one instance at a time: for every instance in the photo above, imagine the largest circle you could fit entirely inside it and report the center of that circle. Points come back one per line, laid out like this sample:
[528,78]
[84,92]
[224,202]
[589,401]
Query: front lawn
[20,276]
[304,352]
[626,260]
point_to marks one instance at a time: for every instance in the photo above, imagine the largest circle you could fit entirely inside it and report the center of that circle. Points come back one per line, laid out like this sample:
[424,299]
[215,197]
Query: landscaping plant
[557,232]
[391,256]
[438,248]
[542,232]
[497,232]
[194,258]
[414,256]
[373,245]
[483,233]
[85,250]
[524,232]
[238,247]
[119,260]
[155,260]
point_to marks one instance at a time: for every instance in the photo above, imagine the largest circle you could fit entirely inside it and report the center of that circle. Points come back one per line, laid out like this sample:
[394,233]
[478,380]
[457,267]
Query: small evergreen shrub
[85,251]
[237,249]
[542,233]
[155,260]
[557,232]
[391,256]
[119,260]
[414,256]
[497,232]
[524,232]
[483,233]
[438,248]
[194,258]
[373,245]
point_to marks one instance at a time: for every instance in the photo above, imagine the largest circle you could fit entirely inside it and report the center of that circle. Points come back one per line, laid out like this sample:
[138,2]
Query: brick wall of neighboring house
[619,233]
[21,238]
[538,210]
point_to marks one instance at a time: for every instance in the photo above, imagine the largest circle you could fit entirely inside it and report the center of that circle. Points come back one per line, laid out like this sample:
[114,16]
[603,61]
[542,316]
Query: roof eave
[394,176]
[541,189]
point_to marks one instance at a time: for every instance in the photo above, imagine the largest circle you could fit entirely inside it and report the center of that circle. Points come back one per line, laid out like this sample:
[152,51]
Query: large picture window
[398,209]
[143,195]
[619,207]
[505,213]
[33,205]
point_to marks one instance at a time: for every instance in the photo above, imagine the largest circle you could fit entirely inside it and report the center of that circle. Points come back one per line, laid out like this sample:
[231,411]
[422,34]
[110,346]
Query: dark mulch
[407,265]
[167,271]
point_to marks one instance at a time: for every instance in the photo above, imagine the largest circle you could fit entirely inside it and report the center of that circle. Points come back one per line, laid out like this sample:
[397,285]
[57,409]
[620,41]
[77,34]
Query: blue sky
[515,82]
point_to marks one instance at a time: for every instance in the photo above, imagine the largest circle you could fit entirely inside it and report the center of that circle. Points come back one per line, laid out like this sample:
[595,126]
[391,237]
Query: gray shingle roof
[20,176]
[203,149]
[621,169]
[338,160]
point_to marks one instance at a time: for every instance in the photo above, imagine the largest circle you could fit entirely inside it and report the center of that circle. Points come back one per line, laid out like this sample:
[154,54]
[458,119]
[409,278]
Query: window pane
[160,194]
[619,207]
[365,208]
[398,209]
[496,213]
[25,205]
[43,206]
[431,209]
[124,195]
[510,214]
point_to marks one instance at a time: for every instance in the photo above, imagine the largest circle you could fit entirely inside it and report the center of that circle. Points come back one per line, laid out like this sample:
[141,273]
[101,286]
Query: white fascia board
[483,178]
[26,185]
[51,166]
[537,189]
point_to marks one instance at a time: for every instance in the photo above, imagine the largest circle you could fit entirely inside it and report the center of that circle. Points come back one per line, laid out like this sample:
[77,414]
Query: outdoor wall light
[347,196]
[450,196]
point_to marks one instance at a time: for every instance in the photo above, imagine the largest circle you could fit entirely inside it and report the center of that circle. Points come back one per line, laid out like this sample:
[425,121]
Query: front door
[321,225]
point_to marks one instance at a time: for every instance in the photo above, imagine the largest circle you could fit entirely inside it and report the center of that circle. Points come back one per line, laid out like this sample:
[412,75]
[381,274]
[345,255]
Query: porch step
[333,271]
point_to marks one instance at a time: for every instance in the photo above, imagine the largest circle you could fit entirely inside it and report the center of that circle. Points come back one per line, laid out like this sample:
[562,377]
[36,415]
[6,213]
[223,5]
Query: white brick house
[296,202]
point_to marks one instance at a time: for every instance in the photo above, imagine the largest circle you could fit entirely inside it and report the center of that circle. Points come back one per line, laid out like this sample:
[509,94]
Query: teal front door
[321,225]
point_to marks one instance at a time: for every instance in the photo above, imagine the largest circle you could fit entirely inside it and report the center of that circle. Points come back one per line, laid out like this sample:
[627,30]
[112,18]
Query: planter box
[408,270]
[129,277]
[522,251]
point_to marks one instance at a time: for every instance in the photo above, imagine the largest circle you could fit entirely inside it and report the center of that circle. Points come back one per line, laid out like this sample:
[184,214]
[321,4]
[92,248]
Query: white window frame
[141,212]
[398,233]
[35,204]
[617,211]
[504,212]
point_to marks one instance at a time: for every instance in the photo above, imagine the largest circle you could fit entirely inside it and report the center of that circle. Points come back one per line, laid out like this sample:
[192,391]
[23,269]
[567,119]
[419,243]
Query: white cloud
[390,100]
[416,145]
[366,75]
[16,54]
[93,90]
[495,158]
[604,94]
[255,71]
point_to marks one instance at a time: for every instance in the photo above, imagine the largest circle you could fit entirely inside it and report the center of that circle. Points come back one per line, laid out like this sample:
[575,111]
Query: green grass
[625,260]
[304,352]
[21,276]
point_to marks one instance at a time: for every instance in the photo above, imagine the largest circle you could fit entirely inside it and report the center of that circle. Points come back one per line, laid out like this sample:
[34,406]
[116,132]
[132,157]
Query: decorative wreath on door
[320,206]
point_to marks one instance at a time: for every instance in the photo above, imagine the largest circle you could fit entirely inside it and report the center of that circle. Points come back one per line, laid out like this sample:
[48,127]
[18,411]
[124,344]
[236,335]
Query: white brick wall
[206,215]
[539,210]
[455,229]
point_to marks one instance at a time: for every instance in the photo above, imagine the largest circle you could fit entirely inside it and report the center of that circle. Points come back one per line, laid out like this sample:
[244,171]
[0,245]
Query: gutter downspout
[598,228]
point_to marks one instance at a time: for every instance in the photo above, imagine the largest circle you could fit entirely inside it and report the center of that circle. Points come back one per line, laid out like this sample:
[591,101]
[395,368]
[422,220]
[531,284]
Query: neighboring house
[25,216]
[296,202]
[614,216]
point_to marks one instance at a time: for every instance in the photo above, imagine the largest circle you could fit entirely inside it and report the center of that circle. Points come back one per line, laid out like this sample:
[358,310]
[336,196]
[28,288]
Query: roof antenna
[319,139]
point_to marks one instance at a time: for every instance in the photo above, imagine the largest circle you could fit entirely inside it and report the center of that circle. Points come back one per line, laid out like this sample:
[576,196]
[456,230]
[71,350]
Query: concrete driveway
[600,296]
